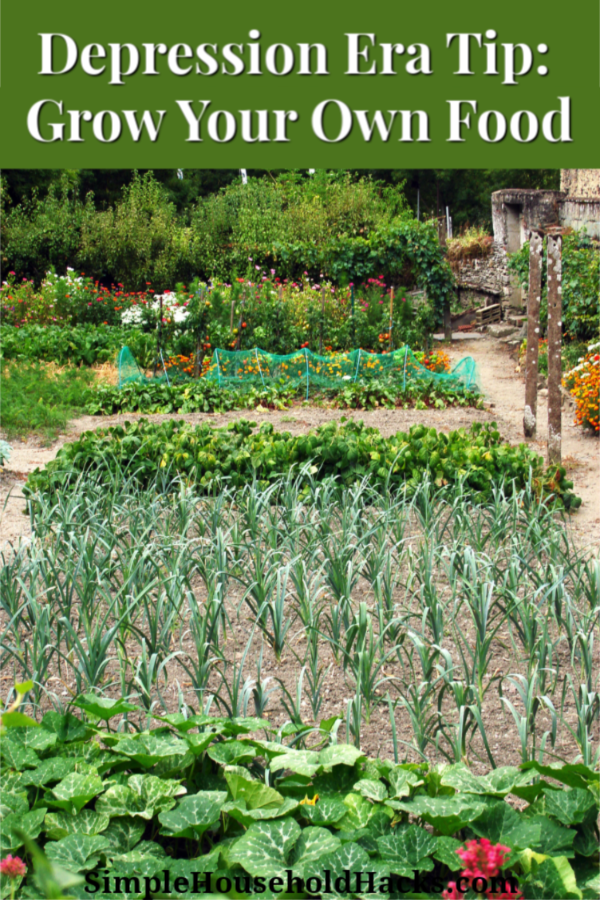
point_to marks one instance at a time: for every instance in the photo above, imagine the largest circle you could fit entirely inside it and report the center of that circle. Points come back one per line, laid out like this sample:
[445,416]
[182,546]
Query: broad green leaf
[53,769]
[498,783]
[339,754]
[569,807]
[372,790]
[186,867]
[197,743]
[143,795]
[401,782]
[138,863]
[18,719]
[124,833]
[15,756]
[312,844]
[447,814]
[378,884]
[58,825]
[13,802]
[37,738]
[553,878]
[408,848]
[303,762]
[29,823]
[9,888]
[326,811]
[238,811]
[586,843]
[228,753]
[193,815]
[245,725]
[360,812]
[346,862]
[66,726]
[554,839]
[77,852]
[266,846]
[148,749]
[502,824]
[575,775]
[588,881]
[445,852]
[255,794]
[103,707]
[74,791]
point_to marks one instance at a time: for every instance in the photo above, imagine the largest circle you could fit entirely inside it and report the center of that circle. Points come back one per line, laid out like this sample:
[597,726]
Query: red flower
[12,866]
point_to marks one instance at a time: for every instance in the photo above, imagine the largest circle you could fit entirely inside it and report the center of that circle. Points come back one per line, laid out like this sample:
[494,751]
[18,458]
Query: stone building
[515,213]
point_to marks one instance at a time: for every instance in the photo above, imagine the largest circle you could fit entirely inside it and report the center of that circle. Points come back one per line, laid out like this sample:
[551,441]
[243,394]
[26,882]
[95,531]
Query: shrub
[140,240]
[40,233]
[251,219]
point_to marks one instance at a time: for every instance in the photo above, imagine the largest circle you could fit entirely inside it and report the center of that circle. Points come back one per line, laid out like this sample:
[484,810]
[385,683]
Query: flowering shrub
[583,383]
[68,299]
[483,861]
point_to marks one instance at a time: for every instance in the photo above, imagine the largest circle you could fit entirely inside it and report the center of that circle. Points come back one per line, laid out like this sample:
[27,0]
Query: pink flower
[452,893]
[12,866]
[482,858]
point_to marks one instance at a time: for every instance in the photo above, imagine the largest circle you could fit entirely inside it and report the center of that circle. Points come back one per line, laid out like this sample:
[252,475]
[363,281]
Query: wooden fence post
[533,333]
[554,254]
[322,319]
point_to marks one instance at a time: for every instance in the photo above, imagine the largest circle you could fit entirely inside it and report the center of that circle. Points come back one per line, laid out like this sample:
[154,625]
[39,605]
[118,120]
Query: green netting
[237,368]
[243,369]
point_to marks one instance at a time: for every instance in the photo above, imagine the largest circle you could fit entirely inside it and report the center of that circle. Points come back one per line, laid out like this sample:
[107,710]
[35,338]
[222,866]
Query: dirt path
[502,386]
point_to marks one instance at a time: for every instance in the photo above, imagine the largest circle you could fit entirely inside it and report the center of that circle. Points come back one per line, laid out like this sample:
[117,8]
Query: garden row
[427,626]
[206,805]
[476,460]
[256,311]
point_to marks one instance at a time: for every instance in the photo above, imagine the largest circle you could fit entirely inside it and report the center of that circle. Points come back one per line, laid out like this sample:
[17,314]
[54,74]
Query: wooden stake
[322,319]
[533,333]
[391,317]
[554,252]
[239,334]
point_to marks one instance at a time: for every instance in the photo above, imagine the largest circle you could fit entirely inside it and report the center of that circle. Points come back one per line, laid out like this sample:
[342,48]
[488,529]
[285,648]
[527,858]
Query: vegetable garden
[237,660]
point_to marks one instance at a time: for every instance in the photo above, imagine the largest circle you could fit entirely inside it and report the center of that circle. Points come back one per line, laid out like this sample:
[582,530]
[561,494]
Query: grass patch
[41,399]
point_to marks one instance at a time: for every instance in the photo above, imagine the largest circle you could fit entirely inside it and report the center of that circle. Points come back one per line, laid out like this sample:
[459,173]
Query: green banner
[234,84]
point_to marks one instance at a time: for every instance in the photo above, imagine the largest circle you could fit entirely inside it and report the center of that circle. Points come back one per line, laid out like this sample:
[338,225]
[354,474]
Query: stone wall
[578,213]
[484,281]
[581,183]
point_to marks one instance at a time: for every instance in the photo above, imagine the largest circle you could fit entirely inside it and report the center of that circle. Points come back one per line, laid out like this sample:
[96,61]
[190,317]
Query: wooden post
[554,253]
[158,337]
[197,360]
[322,319]
[533,333]
[391,317]
[239,334]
